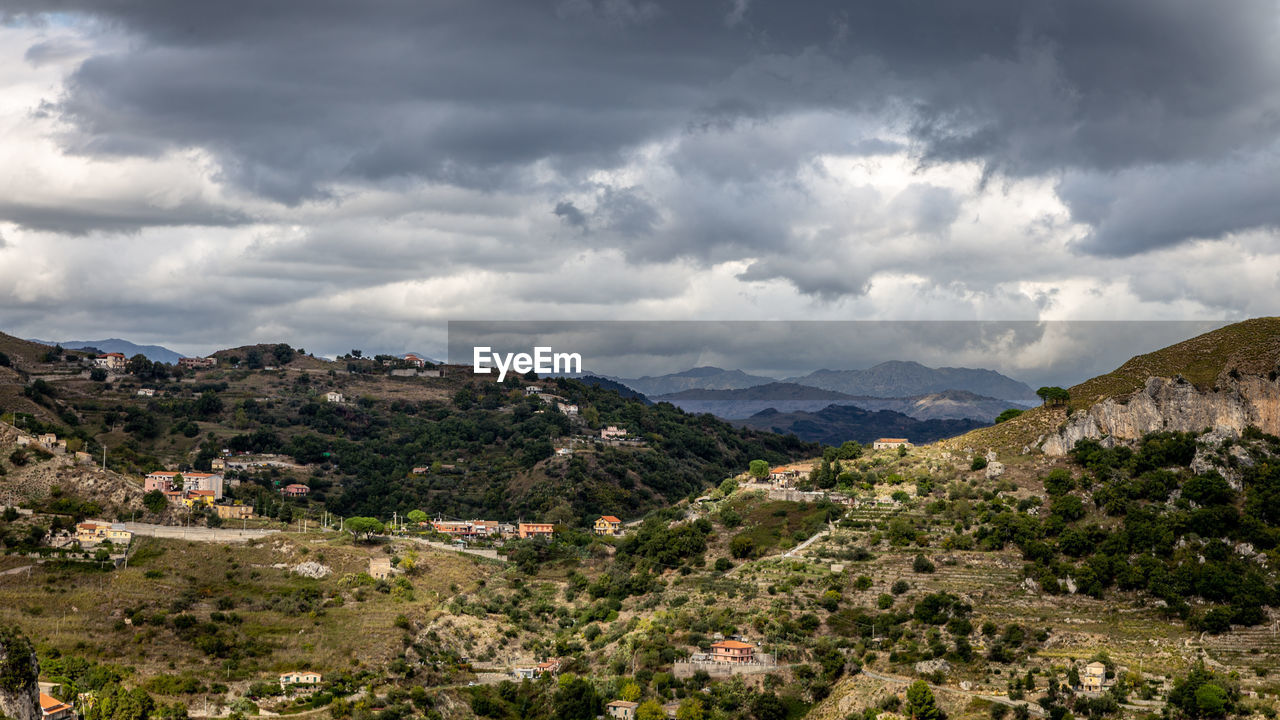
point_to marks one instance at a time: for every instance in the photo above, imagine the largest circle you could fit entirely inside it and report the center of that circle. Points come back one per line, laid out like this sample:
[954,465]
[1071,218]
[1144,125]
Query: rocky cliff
[1167,404]
[19,693]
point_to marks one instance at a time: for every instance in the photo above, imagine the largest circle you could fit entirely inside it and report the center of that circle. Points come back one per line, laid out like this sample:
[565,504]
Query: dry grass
[82,612]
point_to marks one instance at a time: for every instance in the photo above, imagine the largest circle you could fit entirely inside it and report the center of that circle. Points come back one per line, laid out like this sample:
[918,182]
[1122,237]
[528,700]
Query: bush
[742,546]
[979,462]
[922,565]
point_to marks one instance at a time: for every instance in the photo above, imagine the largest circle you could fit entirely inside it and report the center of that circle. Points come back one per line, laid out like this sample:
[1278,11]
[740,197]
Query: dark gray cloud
[294,97]
[79,217]
[304,165]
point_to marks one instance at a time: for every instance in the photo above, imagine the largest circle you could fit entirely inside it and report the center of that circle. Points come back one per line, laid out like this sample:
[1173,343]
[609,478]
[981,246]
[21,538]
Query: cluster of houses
[189,488]
[197,363]
[606,525]
[52,443]
[116,362]
[562,404]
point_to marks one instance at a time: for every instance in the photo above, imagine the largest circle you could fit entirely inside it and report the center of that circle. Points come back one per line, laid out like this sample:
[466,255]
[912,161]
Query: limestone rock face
[1169,404]
[19,693]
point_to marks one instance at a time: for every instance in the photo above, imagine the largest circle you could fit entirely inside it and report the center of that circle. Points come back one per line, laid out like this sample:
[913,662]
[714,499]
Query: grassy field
[281,619]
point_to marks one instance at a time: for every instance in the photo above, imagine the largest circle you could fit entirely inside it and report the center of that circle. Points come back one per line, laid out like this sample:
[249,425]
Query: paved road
[478,552]
[1033,708]
[797,550]
[197,534]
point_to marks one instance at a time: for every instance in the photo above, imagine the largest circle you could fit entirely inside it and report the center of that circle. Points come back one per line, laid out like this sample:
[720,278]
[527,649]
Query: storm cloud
[422,161]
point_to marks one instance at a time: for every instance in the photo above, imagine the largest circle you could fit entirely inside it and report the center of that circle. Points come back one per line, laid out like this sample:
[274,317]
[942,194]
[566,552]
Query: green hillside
[480,448]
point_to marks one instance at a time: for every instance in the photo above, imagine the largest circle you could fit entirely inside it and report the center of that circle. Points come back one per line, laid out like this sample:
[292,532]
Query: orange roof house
[51,708]
[733,651]
[608,525]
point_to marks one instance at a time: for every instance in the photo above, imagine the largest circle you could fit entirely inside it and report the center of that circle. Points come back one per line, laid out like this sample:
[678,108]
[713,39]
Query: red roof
[733,645]
[50,704]
[610,518]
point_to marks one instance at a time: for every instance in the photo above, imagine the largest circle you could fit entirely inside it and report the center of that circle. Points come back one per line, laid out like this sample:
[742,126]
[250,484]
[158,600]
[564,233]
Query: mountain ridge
[792,397]
[836,424]
[154,353]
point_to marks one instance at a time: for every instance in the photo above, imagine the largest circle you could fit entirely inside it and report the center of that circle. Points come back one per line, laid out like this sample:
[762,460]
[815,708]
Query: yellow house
[94,532]
[608,525]
[233,512]
[1094,677]
[199,497]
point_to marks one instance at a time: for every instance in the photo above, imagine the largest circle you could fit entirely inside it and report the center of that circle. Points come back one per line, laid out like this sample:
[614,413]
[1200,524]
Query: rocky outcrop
[19,693]
[1173,404]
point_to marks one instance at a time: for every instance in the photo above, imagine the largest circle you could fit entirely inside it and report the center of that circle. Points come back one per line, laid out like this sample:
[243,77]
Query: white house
[890,443]
[300,677]
[333,397]
[613,432]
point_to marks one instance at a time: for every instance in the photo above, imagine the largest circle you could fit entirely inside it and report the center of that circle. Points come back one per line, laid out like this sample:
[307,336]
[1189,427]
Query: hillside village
[975,577]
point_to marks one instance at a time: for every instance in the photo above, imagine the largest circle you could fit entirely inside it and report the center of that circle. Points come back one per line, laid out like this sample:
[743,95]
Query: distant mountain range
[898,378]
[699,378]
[892,379]
[792,397]
[837,423]
[154,353]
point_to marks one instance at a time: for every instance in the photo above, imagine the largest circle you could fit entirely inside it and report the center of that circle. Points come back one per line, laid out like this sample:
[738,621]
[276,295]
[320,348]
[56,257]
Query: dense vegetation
[1157,526]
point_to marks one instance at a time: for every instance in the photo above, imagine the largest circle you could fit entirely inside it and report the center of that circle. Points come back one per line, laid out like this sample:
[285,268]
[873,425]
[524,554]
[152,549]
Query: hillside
[22,353]
[1225,378]
[792,397]
[836,424]
[905,379]
[480,449]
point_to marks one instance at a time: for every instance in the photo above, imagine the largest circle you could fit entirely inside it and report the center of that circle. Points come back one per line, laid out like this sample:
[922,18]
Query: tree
[576,699]
[650,710]
[1007,415]
[758,469]
[767,706]
[631,691]
[363,528]
[155,502]
[690,709]
[1058,482]
[116,703]
[742,546]
[138,365]
[417,516]
[1053,395]
[922,565]
[920,702]
[98,375]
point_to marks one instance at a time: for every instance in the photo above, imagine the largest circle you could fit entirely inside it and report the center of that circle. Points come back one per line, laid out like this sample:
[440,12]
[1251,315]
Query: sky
[342,175]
